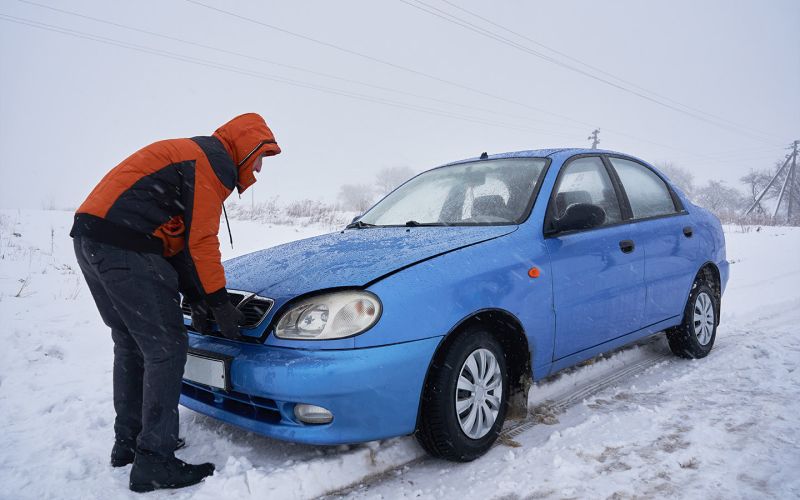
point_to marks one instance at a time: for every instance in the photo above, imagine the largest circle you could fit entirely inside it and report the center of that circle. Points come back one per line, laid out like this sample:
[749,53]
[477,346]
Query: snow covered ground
[638,423]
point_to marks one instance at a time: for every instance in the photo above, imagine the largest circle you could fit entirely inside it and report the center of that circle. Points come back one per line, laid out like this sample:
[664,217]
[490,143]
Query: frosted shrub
[297,213]
[263,211]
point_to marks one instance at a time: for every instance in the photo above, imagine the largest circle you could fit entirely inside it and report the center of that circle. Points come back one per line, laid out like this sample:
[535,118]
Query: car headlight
[329,316]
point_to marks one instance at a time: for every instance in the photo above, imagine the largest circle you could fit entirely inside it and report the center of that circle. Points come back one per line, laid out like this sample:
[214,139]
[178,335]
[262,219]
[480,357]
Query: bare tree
[756,180]
[724,201]
[356,197]
[679,176]
[389,178]
[773,180]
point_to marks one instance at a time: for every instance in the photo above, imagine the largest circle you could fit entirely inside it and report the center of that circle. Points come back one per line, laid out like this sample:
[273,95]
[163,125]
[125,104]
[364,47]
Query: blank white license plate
[204,370]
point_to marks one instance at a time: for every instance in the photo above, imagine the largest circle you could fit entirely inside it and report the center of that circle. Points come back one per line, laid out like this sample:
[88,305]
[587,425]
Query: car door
[598,273]
[666,236]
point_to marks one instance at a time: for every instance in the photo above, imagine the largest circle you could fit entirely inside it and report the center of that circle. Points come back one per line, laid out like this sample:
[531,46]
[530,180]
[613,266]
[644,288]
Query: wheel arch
[709,273]
[508,330]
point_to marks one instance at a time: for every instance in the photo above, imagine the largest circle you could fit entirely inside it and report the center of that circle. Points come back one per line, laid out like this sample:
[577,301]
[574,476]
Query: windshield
[481,192]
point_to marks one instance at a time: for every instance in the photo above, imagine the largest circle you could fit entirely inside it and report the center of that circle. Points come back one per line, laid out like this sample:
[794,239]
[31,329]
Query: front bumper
[373,393]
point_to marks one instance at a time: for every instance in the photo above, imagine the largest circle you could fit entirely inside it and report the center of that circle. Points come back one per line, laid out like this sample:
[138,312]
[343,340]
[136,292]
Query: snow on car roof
[532,153]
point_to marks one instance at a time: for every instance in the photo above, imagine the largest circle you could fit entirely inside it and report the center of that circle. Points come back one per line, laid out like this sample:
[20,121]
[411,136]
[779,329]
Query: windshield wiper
[358,225]
[413,223]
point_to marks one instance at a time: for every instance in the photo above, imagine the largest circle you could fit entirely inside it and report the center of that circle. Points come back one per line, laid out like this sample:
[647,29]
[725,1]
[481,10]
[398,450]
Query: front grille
[244,405]
[254,307]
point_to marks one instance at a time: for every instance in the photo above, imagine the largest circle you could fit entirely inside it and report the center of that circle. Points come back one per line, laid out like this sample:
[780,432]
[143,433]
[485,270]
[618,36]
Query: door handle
[626,246]
[688,231]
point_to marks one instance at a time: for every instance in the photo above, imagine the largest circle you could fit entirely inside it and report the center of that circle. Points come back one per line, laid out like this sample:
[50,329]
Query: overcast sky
[73,106]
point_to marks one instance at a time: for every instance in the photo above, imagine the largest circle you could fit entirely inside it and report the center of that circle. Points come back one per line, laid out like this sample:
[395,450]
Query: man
[147,231]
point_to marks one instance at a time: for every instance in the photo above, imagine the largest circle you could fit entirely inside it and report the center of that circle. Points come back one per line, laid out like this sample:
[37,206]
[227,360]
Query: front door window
[586,180]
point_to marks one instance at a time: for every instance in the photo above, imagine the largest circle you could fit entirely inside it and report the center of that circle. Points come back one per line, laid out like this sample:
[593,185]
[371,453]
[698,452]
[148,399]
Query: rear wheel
[695,336]
[465,399]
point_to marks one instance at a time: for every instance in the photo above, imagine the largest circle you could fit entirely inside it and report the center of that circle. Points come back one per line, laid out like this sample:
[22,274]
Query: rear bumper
[373,393]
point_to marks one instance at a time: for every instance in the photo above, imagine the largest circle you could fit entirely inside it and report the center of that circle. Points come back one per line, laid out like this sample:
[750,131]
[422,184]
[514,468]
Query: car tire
[443,431]
[695,336]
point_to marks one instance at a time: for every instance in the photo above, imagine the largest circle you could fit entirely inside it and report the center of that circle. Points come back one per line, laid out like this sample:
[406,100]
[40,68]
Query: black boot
[152,472]
[124,451]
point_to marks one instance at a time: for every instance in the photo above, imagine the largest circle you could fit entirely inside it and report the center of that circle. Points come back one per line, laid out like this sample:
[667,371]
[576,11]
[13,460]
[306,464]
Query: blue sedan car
[434,311]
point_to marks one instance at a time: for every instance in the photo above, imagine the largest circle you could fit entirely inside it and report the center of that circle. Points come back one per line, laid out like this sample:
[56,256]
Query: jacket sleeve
[188,282]
[202,214]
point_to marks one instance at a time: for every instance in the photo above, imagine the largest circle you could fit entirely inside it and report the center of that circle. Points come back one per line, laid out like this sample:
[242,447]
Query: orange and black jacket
[167,199]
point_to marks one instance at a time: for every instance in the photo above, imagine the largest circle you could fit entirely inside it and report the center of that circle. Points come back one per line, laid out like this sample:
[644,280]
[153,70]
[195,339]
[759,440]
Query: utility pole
[595,140]
[788,182]
[792,191]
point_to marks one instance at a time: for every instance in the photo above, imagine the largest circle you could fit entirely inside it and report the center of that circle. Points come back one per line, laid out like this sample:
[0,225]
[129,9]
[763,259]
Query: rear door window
[647,193]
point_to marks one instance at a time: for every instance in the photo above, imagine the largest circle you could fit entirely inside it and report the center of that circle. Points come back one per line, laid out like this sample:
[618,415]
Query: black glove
[200,322]
[228,319]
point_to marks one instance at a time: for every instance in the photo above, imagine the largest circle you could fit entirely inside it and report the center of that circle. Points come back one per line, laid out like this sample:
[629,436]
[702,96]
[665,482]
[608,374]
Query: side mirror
[580,216]
[355,218]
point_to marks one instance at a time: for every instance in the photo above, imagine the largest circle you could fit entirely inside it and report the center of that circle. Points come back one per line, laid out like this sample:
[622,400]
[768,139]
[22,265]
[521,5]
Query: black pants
[137,296]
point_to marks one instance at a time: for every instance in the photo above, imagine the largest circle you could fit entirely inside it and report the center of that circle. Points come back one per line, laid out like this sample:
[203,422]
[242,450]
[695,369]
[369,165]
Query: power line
[264,76]
[250,73]
[731,154]
[383,61]
[419,73]
[284,65]
[278,79]
[599,70]
[736,159]
[489,34]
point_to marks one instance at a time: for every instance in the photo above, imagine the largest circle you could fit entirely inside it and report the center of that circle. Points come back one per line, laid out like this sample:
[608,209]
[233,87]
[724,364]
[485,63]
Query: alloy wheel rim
[703,318]
[478,393]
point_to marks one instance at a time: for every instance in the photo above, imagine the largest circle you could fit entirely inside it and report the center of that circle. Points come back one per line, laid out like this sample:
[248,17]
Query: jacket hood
[247,137]
[350,258]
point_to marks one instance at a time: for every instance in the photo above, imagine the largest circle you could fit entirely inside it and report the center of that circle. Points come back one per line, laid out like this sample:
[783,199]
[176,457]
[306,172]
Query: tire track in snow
[573,397]
[553,406]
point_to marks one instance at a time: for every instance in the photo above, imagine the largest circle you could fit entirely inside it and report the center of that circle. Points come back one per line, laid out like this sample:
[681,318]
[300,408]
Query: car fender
[431,298]
[711,245]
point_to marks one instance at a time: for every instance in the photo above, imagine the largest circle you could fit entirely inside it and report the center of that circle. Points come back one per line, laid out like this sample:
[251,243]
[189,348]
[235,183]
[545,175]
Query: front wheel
[465,399]
[695,336]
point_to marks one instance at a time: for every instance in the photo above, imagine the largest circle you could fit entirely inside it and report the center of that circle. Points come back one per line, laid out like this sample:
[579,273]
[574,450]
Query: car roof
[536,153]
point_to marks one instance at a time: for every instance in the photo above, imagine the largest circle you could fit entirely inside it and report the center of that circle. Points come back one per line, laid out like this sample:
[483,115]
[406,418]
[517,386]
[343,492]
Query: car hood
[350,258]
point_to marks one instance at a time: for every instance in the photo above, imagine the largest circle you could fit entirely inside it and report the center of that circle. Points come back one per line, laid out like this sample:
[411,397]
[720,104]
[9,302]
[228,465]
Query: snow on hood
[350,258]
